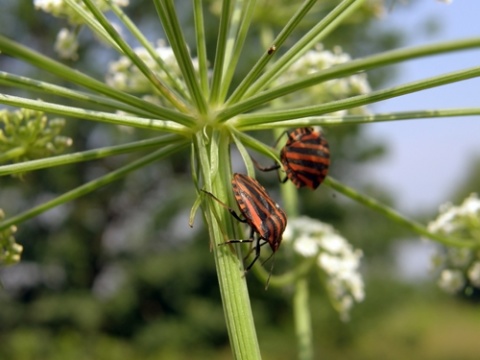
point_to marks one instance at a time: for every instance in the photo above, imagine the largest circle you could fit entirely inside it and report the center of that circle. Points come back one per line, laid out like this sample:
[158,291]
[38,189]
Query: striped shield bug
[305,158]
[260,212]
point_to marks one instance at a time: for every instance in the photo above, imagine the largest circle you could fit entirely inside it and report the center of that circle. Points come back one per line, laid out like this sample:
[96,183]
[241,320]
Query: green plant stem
[397,217]
[212,148]
[22,82]
[160,86]
[242,17]
[92,185]
[359,100]
[332,120]
[40,61]
[172,77]
[303,321]
[88,155]
[200,38]
[221,50]
[259,146]
[287,279]
[347,69]
[12,154]
[255,72]
[173,29]
[329,23]
[133,121]
[90,21]
[301,307]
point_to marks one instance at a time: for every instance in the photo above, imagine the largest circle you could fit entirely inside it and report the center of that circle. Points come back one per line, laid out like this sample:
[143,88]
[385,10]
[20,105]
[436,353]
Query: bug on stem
[305,158]
[260,212]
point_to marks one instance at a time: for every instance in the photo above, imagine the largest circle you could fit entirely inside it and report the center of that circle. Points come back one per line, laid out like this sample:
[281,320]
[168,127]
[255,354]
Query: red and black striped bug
[260,212]
[305,158]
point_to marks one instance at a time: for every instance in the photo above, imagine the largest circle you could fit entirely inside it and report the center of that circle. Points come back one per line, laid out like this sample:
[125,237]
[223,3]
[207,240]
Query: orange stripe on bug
[305,158]
[260,212]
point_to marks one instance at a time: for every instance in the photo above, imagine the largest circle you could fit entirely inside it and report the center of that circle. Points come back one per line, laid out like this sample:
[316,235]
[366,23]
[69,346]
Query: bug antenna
[271,271]
[271,268]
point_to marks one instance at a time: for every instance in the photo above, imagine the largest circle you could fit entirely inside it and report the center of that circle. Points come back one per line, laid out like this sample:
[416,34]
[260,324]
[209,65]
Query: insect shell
[306,157]
[263,214]
[271,50]
[260,212]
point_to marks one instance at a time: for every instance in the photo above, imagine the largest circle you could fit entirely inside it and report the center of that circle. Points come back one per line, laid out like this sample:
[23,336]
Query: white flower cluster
[319,59]
[338,261]
[10,251]
[124,75]
[458,267]
[66,44]
[60,8]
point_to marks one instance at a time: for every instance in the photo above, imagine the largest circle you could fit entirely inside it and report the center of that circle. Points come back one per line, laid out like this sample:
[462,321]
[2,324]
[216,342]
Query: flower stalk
[212,149]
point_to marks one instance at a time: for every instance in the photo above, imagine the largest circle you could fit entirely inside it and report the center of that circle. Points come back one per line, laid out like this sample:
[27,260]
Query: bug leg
[237,241]
[257,254]
[270,168]
[230,210]
[265,168]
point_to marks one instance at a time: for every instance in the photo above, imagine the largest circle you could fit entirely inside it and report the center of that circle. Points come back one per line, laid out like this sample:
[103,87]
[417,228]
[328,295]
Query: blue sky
[428,159]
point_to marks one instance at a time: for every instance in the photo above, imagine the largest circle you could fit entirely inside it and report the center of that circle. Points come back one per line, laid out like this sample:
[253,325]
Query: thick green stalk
[303,321]
[213,158]
[301,306]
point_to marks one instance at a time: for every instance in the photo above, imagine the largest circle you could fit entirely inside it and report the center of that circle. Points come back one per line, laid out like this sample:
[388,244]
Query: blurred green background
[119,274]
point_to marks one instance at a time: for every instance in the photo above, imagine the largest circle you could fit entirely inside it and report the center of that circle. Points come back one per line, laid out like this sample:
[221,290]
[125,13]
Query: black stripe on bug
[305,158]
[259,211]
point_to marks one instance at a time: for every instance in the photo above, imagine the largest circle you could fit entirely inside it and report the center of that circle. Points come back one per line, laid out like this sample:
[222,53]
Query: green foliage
[10,251]
[119,275]
[28,135]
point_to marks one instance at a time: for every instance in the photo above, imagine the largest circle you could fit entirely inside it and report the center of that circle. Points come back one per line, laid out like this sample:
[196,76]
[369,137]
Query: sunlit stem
[397,217]
[91,185]
[213,158]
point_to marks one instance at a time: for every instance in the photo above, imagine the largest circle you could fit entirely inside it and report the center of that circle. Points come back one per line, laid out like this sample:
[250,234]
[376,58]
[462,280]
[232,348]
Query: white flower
[121,3]
[318,59]
[66,44]
[334,243]
[61,9]
[48,5]
[451,281]
[456,264]
[336,258]
[470,206]
[306,246]
[474,273]
[124,75]
[329,263]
